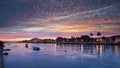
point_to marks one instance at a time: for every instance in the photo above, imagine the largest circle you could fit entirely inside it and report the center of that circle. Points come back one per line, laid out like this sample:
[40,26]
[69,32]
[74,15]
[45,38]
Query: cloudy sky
[25,19]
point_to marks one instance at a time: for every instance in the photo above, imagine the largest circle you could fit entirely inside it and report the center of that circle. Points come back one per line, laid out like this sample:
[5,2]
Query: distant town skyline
[26,19]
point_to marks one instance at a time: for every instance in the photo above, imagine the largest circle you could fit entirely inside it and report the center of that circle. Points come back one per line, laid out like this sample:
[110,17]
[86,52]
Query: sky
[26,19]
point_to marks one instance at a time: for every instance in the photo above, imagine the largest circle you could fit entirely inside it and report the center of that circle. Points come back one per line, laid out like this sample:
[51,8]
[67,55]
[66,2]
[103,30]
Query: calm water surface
[62,56]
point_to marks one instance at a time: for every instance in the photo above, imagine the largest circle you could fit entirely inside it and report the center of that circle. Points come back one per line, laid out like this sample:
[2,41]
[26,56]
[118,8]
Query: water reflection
[68,49]
[96,54]
[89,51]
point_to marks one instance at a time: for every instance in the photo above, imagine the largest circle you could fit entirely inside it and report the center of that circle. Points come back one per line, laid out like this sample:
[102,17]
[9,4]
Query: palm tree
[91,34]
[99,34]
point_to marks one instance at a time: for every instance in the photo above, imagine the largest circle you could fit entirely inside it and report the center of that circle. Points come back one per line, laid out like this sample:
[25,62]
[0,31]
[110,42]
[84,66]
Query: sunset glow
[25,19]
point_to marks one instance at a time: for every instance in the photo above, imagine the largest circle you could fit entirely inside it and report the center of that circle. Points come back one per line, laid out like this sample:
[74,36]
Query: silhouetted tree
[85,38]
[99,34]
[59,39]
[91,34]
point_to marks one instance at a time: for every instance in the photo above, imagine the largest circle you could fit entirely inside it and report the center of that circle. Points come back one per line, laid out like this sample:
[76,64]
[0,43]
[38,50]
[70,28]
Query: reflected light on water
[85,54]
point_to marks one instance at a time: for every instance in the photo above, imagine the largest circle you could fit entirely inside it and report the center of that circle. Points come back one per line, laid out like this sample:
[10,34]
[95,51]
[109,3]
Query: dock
[1,58]
[1,54]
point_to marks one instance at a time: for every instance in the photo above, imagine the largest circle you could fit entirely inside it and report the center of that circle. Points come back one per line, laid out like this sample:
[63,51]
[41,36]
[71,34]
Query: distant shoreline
[84,43]
[90,43]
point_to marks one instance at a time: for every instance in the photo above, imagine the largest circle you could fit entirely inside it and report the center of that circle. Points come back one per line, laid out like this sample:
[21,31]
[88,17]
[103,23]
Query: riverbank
[1,58]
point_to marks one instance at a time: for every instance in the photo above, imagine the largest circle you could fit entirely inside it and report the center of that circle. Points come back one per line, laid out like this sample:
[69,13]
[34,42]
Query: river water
[62,56]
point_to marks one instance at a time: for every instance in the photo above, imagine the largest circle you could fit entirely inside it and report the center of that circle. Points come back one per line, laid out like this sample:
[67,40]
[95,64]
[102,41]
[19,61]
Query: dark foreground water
[62,56]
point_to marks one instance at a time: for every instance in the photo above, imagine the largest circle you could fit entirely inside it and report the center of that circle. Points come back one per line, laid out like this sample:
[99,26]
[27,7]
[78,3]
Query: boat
[36,48]
[26,45]
[5,53]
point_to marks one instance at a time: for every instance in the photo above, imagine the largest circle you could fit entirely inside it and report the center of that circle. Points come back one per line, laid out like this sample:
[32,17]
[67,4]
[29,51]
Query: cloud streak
[52,18]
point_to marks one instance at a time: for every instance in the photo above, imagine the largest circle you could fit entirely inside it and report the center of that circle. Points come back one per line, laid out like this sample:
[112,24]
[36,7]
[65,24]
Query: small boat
[26,45]
[36,48]
[5,53]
